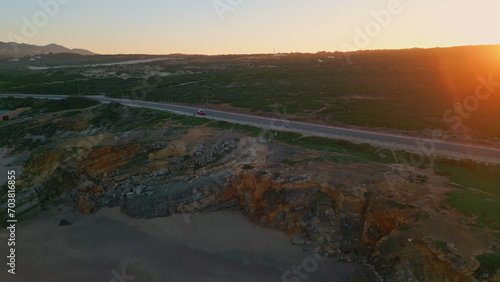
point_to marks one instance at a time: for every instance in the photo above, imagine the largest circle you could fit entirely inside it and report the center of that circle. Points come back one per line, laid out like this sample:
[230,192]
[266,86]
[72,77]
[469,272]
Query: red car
[201,112]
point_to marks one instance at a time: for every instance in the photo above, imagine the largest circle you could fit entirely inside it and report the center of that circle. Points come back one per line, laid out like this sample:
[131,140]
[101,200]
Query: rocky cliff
[342,209]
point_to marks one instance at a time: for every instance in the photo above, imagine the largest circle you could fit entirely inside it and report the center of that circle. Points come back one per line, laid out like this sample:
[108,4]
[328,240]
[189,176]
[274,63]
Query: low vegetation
[470,174]
[478,190]
[486,208]
[47,105]
[378,89]
[490,265]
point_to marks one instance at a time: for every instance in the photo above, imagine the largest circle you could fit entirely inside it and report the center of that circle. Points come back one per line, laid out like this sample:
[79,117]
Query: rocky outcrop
[349,224]
[28,204]
[343,222]
[204,195]
[421,261]
[340,216]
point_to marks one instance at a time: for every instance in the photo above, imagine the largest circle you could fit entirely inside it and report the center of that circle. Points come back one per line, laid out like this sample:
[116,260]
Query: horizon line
[248,54]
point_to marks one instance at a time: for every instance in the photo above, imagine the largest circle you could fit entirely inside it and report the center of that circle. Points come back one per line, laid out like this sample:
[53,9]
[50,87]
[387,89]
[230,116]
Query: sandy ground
[219,246]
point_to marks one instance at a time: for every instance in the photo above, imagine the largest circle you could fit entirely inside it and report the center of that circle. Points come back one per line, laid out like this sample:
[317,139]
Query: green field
[400,89]
[469,174]
[490,264]
[479,190]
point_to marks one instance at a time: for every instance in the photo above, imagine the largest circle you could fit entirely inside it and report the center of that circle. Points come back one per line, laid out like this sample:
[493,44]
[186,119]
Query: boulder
[86,205]
[131,195]
[86,185]
[299,240]
[97,189]
[64,222]
[138,190]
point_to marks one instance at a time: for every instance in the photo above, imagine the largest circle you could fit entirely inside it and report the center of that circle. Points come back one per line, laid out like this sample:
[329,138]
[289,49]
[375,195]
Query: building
[8,115]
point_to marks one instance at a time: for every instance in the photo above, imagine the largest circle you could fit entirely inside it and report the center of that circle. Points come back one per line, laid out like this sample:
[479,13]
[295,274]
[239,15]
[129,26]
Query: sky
[248,26]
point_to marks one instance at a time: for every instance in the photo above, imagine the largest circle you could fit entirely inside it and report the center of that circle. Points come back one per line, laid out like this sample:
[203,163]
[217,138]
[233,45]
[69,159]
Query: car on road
[201,113]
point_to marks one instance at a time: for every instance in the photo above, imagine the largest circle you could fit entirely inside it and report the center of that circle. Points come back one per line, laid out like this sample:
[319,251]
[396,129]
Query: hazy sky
[248,26]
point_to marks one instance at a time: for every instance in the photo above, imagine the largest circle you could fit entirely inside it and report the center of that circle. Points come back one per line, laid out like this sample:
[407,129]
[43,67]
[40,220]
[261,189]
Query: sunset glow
[221,26]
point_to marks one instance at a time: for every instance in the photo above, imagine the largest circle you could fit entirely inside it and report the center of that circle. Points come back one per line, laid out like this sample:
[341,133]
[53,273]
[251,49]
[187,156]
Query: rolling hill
[12,49]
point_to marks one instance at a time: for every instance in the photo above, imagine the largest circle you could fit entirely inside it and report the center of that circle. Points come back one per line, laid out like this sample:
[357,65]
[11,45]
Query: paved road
[415,144]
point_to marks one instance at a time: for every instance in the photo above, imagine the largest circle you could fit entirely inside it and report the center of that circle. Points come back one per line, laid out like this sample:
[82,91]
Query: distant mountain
[12,49]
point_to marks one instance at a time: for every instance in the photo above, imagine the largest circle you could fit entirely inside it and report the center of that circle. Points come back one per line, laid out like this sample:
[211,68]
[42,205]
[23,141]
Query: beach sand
[221,246]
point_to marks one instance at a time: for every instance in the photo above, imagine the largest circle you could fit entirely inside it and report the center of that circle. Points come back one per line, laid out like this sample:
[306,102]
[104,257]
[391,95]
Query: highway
[392,141]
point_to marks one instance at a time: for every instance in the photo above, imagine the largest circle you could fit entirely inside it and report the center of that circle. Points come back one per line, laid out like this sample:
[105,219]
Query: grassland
[400,89]
[490,264]
[479,190]
[469,174]
[47,105]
